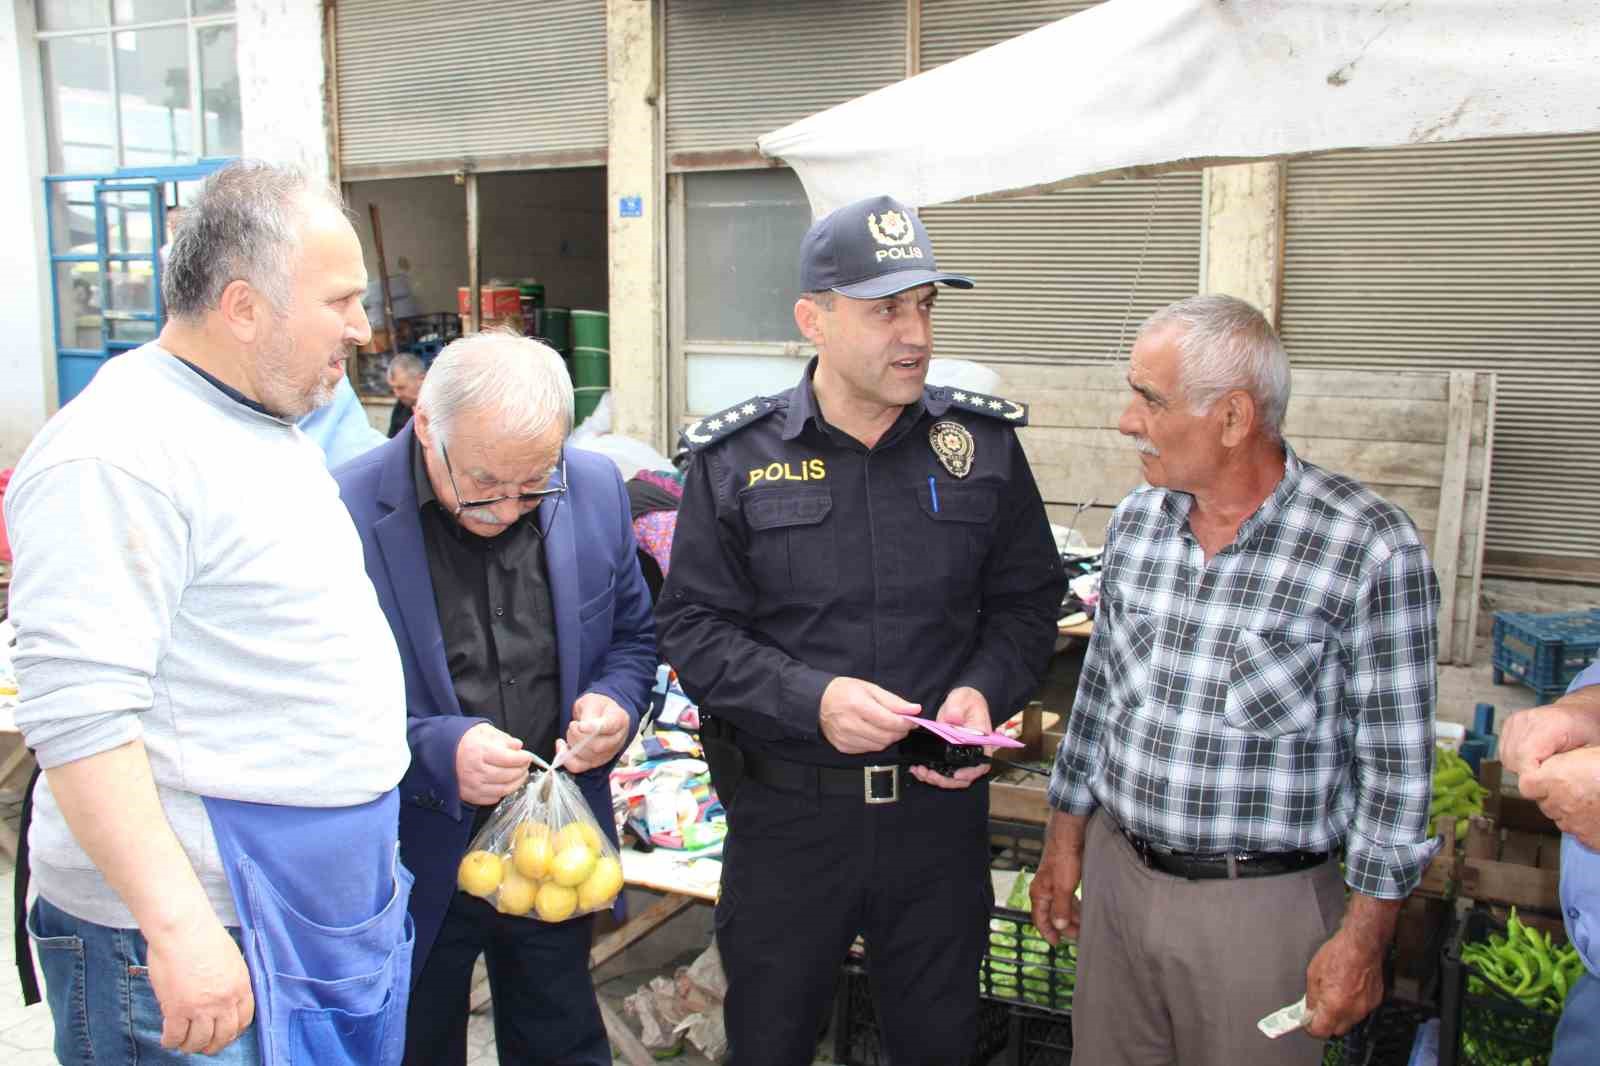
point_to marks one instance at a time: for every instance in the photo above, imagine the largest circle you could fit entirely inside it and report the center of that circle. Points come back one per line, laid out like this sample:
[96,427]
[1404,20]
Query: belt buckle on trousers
[872,779]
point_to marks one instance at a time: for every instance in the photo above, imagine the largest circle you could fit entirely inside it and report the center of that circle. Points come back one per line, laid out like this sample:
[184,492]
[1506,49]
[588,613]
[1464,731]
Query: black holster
[723,757]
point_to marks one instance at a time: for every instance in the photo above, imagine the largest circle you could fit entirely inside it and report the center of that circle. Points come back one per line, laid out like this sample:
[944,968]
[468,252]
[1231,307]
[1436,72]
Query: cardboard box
[499,302]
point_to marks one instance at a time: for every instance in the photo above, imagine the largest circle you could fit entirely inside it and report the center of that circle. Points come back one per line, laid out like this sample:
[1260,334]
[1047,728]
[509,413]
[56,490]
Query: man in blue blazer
[506,565]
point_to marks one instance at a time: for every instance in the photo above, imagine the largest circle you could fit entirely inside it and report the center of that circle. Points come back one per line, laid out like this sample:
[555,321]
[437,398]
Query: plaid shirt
[1278,698]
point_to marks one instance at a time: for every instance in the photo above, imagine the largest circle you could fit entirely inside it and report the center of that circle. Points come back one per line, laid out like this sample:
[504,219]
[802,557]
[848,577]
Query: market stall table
[683,878]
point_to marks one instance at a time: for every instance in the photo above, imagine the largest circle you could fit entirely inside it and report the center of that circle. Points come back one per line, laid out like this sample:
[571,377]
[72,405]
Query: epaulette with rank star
[715,427]
[1008,411]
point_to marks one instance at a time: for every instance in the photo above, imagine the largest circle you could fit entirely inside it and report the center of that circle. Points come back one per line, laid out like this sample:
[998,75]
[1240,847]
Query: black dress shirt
[398,419]
[493,598]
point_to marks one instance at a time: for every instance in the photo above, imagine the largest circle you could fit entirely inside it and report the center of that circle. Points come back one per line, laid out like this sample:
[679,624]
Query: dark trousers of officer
[545,1010]
[803,875]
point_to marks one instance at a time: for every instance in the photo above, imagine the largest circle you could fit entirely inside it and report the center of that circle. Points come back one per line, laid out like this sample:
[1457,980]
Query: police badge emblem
[953,444]
[892,229]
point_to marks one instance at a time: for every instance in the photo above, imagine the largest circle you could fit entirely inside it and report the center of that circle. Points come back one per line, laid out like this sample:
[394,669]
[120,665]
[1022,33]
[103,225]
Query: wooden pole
[383,278]
[474,284]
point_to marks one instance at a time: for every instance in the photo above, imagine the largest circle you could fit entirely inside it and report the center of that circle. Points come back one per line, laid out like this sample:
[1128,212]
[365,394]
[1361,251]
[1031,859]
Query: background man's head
[493,413]
[405,378]
[1209,376]
[266,264]
[868,276]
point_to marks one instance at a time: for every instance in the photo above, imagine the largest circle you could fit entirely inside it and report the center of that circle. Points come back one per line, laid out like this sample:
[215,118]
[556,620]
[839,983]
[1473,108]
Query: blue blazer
[605,640]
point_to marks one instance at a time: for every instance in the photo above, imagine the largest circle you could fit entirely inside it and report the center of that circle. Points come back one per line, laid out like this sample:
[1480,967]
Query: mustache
[483,516]
[1145,447]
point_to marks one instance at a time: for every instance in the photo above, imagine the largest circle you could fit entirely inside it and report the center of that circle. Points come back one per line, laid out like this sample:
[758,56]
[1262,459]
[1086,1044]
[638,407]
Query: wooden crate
[1419,934]
[1439,880]
[1513,853]
[1019,798]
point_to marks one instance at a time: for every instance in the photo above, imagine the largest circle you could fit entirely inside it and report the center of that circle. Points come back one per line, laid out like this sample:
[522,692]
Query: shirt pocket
[962,521]
[1133,654]
[792,544]
[1272,682]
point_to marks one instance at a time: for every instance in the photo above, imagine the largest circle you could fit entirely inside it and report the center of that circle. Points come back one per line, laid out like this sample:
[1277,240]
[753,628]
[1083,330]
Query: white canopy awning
[1165,84]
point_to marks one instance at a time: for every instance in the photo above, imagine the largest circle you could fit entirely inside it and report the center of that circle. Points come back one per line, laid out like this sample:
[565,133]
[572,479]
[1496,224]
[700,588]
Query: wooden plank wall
[1420,440]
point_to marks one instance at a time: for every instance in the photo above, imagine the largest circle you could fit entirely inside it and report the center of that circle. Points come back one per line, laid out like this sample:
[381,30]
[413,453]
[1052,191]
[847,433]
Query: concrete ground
[26,1033]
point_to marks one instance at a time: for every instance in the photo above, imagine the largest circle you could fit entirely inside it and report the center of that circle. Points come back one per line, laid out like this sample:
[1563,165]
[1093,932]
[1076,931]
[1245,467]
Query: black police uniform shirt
[801,555]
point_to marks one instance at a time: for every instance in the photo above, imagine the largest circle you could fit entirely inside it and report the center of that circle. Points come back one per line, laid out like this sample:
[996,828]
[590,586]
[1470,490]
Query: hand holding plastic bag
[542,854]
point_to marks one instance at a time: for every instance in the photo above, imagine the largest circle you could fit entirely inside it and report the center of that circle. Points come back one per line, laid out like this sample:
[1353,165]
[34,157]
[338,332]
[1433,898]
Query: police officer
[852,554]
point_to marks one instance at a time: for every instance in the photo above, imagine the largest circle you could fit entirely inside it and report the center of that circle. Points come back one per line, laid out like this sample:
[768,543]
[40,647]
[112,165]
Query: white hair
[1227,344]
[520,383]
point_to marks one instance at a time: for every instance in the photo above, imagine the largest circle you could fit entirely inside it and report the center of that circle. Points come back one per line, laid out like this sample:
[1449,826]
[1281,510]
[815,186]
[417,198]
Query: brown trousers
[1173,972]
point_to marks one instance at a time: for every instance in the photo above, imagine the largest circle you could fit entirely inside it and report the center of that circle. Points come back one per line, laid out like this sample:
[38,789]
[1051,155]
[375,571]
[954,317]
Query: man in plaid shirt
[1258,696]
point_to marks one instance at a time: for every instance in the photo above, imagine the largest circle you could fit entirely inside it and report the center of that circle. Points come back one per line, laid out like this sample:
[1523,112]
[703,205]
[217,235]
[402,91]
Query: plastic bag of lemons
[541,854]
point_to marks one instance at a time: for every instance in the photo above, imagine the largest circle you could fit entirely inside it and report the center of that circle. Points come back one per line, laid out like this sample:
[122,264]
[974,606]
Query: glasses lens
[522,497]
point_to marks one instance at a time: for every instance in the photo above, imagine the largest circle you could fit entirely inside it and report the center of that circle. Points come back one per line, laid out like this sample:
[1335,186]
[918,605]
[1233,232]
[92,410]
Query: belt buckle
[869,794]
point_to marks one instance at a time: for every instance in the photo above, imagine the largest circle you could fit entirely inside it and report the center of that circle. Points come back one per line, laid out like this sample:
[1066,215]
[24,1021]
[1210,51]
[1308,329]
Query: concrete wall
[547,224]
[638,290]
[424,234]
[282,82]
[27,358]
[1243,245]
[550,225]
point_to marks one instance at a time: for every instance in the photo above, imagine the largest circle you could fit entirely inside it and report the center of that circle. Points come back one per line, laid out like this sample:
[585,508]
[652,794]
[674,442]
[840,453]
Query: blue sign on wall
[630,206]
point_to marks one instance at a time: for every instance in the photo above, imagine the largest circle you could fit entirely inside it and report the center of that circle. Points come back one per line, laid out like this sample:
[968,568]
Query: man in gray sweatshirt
[197,634]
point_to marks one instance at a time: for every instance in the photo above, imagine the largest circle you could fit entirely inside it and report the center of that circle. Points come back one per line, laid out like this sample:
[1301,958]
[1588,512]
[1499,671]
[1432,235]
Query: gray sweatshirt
[185,573]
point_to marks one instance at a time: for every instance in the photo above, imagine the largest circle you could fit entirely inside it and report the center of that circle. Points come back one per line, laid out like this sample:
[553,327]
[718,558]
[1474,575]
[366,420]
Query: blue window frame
[105,263]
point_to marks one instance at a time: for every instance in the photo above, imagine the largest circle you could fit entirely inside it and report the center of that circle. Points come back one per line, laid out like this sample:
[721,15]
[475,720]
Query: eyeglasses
[556,490]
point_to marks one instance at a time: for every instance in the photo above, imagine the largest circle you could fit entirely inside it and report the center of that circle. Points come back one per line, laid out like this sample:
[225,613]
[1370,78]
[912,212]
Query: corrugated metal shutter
[739,68]
[1483,255]
[953,28]
[423,80]
[1056,273]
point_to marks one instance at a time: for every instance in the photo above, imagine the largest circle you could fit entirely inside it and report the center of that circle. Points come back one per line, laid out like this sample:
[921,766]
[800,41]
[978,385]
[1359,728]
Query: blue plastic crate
[1544,651]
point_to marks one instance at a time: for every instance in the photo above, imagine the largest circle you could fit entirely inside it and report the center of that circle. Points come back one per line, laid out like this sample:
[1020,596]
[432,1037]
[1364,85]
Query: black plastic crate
[1040,1038]
[1386,1040]
[856,1030]
[1486,1025]
[1020,967]
[1014,845]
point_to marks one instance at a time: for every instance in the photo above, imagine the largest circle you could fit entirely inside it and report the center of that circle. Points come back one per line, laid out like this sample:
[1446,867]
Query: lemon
[579,833]
[516,895]
[555,903]
[572,865]
[602,885]
[528,829]
[533,854]
[479,873]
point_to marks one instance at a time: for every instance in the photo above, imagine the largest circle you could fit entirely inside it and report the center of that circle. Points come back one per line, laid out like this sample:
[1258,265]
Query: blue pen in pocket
[933,493]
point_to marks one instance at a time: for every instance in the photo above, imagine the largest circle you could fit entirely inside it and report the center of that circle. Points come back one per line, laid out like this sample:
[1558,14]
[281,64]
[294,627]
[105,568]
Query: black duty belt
[1197,866]
[869,784]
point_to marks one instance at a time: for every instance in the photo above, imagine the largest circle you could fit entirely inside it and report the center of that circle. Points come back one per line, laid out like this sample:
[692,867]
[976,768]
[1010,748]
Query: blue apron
[321,895]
